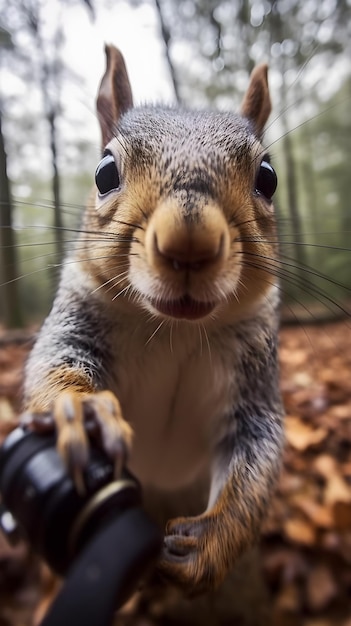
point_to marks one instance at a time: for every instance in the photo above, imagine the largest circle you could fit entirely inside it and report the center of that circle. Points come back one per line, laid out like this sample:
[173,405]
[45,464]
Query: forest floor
[305,551]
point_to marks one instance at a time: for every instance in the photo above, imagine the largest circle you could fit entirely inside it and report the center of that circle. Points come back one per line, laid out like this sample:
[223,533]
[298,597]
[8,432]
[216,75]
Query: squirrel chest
[172,390]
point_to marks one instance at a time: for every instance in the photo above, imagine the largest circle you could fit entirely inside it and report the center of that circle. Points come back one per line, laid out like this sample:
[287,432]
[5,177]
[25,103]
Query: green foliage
[36,239]
[322,148]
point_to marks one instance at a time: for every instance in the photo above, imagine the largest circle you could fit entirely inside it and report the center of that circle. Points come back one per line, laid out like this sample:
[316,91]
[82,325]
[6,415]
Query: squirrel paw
[77,415]
[194,553]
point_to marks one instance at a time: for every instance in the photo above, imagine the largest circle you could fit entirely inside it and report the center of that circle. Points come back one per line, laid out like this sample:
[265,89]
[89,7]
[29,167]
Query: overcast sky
[135,32]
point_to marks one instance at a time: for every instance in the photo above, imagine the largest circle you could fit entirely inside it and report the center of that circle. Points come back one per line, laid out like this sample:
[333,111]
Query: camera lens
[41,495]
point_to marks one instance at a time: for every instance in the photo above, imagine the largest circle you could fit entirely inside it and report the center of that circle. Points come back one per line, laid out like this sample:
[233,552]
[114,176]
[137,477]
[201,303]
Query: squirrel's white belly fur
[171,392]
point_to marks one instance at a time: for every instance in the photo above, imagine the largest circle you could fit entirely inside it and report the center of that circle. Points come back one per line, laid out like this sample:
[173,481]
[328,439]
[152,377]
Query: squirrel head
[184,199]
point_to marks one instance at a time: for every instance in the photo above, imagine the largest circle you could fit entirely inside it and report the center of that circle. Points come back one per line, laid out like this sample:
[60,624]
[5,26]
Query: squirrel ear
[256,105]
[115,95]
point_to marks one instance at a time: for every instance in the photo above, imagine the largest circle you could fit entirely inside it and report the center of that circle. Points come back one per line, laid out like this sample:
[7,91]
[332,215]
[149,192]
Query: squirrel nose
[175,243]
[186,252]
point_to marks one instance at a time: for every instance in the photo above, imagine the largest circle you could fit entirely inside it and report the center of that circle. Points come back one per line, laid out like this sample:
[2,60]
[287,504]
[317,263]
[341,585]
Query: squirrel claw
[80,416]
[115,434]
[72,440]
[191,558]
[77,417]
[179,547]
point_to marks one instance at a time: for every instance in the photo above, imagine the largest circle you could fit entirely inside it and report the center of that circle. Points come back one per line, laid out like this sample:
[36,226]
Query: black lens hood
[107,571]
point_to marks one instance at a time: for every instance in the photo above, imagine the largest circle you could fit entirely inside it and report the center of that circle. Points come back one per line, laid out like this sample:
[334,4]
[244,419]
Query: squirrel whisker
[155,332]
[120,293]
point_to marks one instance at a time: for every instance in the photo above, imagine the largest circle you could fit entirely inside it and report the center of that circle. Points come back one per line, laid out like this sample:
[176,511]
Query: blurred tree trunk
[10,305]
[58,222]
[49,75]
[291,187]
[166,37]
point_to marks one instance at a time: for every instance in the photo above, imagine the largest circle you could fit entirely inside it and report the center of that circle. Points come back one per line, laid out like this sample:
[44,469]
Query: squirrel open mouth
[184,308]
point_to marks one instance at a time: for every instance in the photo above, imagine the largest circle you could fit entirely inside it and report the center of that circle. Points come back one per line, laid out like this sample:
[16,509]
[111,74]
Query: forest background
[191,52]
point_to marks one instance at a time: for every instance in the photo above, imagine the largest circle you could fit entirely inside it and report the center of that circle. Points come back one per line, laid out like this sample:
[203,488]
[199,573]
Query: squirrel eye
[266,180]
[106,175]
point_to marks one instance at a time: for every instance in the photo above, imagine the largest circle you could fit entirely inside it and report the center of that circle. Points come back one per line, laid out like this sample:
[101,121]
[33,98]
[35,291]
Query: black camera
[103,541]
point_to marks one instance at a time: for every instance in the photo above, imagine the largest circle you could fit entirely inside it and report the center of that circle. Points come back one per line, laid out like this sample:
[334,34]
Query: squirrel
[163,333]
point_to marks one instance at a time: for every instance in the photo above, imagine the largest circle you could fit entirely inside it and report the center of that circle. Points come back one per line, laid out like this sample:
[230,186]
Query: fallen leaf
[319,514]
[300,531]
[340,411]
[336,489]
[301,435]
[325,464]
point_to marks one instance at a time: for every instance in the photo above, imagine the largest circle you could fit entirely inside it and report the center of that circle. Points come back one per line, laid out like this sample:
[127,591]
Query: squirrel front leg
[66,386]
[199,551]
